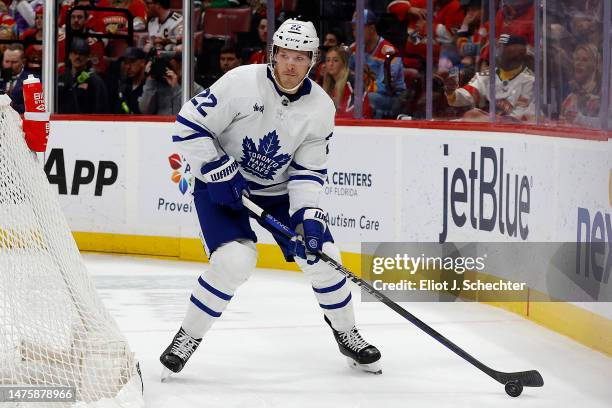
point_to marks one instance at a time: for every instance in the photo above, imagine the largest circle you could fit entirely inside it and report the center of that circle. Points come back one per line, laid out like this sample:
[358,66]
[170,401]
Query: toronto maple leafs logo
[262,161]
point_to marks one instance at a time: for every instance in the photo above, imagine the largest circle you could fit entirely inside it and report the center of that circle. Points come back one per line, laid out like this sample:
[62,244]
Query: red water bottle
[36,118]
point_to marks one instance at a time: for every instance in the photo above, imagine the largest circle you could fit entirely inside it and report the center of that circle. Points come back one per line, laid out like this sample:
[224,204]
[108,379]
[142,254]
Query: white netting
[54,329]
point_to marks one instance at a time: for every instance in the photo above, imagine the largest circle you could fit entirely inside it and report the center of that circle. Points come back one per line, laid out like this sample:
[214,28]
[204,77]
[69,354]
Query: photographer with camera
[162,90]
[80,89]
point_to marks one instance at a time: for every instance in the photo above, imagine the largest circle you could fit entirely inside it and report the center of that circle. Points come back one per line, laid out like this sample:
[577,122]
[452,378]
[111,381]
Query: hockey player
[263,130]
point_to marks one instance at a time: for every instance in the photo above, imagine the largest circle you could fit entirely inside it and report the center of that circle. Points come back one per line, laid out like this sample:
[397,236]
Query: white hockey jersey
[280,141]
[171,28]
[517,90]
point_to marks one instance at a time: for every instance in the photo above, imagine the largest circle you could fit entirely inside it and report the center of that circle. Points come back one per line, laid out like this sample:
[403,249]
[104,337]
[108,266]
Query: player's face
[291,67]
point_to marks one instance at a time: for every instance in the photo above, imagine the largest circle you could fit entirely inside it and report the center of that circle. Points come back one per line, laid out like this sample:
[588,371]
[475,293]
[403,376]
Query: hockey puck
[514,388]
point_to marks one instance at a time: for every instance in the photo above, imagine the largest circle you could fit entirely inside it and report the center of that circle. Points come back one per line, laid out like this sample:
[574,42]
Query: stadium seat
[225,22]
[289,5]
[198,37]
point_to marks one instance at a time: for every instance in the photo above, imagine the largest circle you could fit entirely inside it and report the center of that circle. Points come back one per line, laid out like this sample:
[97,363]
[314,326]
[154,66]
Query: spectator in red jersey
[117,23]
[516,18]
[66,5]
[448,17]
[260,56]
[581,107]
[337,84]
[79,25]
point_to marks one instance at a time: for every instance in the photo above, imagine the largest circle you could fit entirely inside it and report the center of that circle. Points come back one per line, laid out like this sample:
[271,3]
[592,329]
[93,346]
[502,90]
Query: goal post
[54,328]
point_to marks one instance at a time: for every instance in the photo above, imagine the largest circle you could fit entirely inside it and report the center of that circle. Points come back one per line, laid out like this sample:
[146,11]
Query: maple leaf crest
[262,160]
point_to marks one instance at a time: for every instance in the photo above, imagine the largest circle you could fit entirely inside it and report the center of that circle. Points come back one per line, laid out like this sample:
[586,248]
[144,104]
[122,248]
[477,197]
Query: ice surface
[271,347]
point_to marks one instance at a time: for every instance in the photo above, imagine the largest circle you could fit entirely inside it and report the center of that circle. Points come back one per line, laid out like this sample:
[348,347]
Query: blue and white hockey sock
[335,299]
[206,304]
[332,290]
[230,266]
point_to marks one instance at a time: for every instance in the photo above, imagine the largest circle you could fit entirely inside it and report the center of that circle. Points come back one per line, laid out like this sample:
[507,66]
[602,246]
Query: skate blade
[165,375]
[372,368]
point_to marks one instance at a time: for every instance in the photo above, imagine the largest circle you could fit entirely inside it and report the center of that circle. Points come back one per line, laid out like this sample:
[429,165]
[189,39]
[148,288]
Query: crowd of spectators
[113,61]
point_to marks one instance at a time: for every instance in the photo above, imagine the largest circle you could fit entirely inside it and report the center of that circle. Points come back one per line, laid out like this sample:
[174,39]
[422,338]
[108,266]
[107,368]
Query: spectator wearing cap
[131,82]
[13,75]
[384,72]
[513,86]
[80,89]
[165,26]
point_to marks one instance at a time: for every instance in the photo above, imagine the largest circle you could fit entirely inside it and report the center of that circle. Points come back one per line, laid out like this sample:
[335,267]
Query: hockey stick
[513,382]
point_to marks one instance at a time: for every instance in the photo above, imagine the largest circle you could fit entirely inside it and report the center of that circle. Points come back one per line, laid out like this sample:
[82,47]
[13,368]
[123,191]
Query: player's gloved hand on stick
[224,182]
[311,224]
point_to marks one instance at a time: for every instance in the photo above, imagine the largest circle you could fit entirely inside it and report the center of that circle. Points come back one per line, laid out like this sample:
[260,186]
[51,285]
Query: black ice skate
[178,352]
[360,354]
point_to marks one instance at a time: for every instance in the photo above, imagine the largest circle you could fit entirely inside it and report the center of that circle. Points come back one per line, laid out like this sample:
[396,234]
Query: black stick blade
[527,378]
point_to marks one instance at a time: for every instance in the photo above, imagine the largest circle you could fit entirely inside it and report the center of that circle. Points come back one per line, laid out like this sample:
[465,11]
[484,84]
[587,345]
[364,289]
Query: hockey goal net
[54,329]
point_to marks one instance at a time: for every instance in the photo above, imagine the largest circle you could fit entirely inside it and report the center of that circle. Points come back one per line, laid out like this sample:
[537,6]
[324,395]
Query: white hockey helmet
[295,35]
